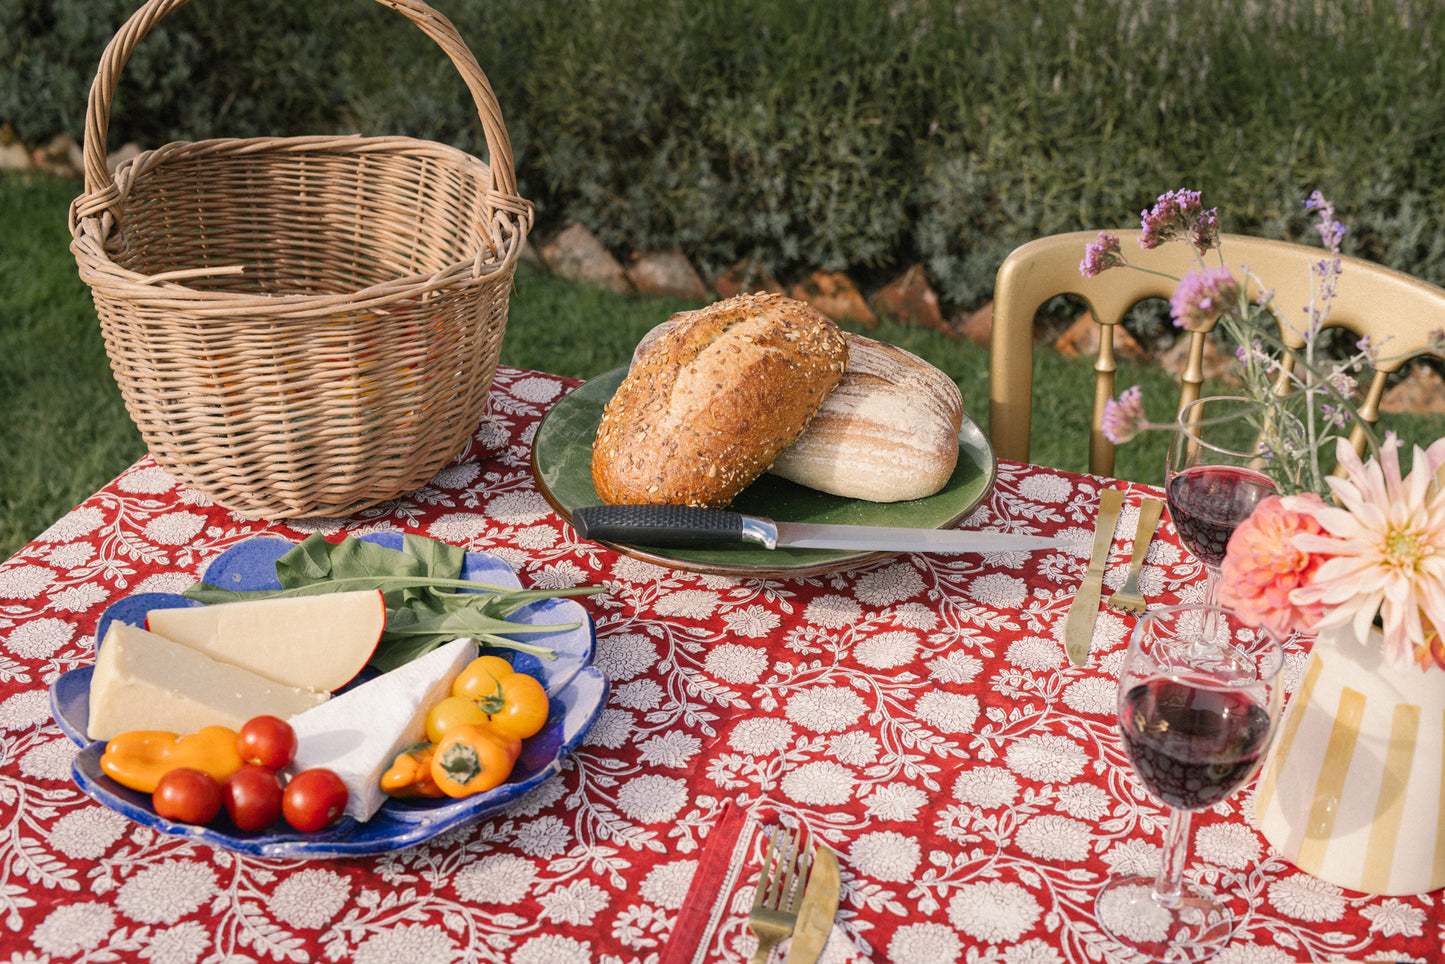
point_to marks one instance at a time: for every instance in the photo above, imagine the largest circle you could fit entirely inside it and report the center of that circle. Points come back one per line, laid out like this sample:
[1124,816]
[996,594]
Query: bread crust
[710,403]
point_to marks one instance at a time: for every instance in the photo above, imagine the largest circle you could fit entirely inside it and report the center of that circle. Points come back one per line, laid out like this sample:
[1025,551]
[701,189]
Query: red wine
[1192,746]
[1208,502]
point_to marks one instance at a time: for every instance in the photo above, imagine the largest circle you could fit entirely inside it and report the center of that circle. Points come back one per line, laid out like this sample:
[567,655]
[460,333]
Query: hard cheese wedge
[312,642]
[146,682]
[358,733]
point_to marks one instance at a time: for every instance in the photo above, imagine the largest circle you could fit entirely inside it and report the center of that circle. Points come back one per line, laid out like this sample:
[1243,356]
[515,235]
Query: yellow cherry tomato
[514,703]
[450,712]
[524,707]
[479,679]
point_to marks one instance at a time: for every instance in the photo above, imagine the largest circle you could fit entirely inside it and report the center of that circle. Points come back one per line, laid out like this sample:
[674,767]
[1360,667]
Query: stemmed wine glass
[1214,476]
[1199,695]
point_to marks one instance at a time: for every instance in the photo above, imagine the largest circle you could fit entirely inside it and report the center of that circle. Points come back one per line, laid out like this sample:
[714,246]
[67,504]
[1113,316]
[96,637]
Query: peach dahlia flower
[1263,567]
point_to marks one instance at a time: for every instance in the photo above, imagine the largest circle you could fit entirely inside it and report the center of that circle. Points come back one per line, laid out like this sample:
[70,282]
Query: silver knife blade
[1079,625]
[686,526]
[815,916]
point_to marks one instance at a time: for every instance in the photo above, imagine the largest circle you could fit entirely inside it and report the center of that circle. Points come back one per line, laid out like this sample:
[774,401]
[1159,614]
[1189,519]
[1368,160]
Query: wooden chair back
[1396,311]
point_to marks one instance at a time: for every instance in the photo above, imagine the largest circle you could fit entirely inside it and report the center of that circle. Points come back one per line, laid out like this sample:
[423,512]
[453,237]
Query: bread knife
[815,914]
[1079,625]
[678,526]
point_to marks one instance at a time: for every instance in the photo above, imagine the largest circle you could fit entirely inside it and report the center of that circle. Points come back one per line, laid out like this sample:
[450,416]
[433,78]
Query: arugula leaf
[427,602]
[412,633]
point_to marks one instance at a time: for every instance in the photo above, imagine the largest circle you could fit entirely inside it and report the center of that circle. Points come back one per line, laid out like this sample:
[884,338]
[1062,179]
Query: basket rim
[437,27]
[93,220]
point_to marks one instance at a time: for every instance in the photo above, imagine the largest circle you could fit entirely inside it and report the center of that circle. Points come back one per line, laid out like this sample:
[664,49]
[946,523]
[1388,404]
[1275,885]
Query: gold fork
[780,888]
[1128,596]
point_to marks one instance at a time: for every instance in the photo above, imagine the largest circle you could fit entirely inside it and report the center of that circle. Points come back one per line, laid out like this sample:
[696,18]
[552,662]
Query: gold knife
[1079,626]
[815,916]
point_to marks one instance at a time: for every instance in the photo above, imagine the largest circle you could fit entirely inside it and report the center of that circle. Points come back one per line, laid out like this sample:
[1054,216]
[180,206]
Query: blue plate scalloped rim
[577,691]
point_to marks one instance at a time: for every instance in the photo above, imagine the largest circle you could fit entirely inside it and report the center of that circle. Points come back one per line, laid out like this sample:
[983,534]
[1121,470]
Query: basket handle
[432,23]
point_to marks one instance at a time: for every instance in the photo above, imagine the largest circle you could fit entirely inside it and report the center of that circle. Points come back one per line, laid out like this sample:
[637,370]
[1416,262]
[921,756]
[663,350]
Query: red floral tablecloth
[918,715]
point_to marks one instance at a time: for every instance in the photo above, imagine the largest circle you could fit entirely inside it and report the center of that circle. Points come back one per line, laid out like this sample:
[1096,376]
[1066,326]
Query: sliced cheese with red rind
[143,681]
[359,733]
[311,642]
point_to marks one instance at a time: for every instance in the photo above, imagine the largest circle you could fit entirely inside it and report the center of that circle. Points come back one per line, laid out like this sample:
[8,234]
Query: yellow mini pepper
[139,758]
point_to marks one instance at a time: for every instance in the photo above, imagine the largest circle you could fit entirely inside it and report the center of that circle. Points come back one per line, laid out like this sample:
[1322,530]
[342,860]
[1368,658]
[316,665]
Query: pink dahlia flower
[1386,549]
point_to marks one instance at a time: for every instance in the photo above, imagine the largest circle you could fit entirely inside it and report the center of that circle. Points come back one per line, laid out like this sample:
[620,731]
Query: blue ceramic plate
[577,691]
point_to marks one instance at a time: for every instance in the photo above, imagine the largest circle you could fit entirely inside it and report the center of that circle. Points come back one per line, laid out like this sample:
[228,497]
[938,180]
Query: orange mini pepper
[139,758]
[410,773]
[471,758]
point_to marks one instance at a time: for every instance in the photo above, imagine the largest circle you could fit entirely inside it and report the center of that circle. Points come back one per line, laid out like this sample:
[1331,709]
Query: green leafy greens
[427,601]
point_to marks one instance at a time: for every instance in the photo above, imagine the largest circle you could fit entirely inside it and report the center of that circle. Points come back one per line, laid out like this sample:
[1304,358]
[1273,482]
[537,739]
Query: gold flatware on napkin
[815,916]
[1128,596]
[775,907]
[1079,625]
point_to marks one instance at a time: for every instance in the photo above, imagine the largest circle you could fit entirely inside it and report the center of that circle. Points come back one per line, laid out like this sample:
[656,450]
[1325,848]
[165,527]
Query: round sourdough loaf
[887,433]
[713,399]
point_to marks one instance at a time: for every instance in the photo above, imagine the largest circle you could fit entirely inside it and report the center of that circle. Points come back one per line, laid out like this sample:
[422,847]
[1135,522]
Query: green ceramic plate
[562,462]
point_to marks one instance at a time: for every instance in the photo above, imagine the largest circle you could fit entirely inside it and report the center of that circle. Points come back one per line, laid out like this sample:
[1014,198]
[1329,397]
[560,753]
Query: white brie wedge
[358,733]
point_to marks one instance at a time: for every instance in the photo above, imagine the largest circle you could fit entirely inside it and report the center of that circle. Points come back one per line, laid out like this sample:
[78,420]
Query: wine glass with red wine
[1215,476]
[1199,696]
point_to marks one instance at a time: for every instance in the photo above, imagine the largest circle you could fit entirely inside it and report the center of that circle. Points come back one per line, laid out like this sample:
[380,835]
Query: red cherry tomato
[253,797]
[314,800]
[268,741]
[187,795]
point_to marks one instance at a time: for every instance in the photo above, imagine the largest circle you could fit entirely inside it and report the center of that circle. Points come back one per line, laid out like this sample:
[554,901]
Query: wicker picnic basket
[301,326]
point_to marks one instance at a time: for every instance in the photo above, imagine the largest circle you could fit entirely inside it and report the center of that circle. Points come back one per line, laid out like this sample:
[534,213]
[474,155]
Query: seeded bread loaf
[887,433]
[714,398]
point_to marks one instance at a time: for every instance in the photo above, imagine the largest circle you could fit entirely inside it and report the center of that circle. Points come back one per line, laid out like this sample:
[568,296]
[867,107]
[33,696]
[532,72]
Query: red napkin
[723,857]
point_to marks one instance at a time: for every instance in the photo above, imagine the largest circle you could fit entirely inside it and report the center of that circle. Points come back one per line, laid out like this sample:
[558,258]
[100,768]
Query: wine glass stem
[1211,586]
[1169,885]
[1211,598]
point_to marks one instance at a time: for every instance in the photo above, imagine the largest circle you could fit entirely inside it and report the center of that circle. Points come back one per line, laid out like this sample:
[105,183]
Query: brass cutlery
[1079,625]
[815,916]
[775,906]
[1128,596]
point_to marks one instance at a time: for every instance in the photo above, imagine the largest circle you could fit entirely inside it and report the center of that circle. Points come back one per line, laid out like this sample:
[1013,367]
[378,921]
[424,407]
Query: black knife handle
[658,525]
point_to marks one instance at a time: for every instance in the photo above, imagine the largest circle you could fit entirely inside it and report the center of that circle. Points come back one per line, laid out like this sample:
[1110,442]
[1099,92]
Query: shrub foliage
[851,135]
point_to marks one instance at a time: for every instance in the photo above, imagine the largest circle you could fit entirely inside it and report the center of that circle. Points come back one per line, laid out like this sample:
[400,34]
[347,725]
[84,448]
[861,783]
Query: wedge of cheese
[358,733]
[312,642]
[143,681]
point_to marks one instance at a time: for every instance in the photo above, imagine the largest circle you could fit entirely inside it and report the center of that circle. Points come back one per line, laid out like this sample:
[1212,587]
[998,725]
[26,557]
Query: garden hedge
[851,135]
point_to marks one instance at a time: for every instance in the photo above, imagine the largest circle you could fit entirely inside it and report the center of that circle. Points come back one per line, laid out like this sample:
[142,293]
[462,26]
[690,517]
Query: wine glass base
[1195,929]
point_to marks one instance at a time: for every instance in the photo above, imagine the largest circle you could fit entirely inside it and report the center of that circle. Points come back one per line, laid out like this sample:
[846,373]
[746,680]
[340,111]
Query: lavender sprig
[1299,386]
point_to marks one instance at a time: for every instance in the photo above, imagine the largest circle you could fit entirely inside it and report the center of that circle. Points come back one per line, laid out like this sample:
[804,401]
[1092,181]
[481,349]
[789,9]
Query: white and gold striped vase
[1351,791]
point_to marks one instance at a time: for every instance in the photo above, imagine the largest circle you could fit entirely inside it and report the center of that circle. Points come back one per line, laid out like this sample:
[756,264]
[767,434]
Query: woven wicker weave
[303,325]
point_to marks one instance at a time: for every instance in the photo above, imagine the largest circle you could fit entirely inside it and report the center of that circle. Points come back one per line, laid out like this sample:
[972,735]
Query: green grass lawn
[64,431]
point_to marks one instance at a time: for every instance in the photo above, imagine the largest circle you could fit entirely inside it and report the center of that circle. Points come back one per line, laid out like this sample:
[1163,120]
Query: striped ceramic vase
[1351,792]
